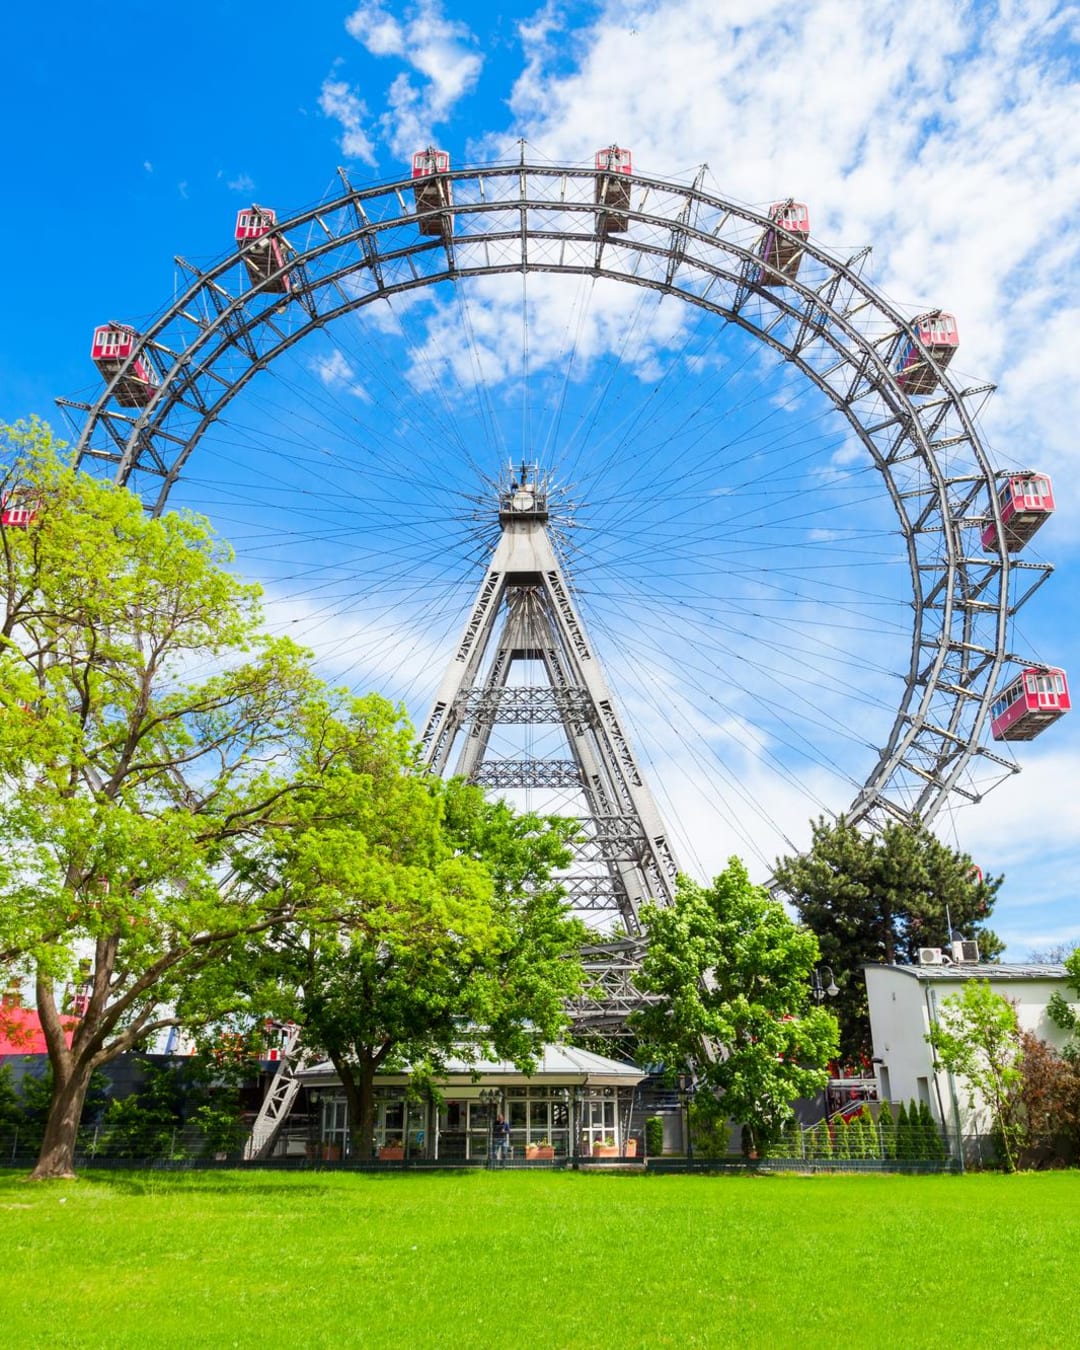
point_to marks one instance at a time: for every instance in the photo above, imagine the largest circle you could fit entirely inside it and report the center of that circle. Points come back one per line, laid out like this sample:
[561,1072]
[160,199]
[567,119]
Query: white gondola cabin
[613,190]
[18,508]
[782,248]
[1026,500]
[434,193]
[266,252]
[113,344]
[1037,697]
[940,339]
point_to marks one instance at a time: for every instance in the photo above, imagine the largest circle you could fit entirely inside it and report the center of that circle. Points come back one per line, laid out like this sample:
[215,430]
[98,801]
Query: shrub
[887,1131]
[654,1136]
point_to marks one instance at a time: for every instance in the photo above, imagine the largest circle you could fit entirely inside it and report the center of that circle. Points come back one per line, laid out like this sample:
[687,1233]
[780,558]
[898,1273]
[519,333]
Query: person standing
[500,1133]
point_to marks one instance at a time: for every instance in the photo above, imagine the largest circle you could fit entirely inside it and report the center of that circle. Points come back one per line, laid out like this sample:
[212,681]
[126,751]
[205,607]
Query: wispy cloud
[243,182]
[440,51]
[340,103]
[335,372]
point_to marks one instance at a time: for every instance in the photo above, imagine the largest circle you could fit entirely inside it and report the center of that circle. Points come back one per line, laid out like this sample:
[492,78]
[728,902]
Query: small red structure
[782,248]
[18,508]
[265,255]
[113,345]
[435,193]
[613,190]
[940,339]
[1037,697]
[1026,499]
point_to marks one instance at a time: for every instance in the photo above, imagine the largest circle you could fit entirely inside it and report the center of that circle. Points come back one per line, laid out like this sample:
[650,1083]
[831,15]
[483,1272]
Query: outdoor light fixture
[818,990]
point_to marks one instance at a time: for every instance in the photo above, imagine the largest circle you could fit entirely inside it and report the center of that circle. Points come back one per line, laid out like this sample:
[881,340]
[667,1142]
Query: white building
[904,1000]
[575,1102]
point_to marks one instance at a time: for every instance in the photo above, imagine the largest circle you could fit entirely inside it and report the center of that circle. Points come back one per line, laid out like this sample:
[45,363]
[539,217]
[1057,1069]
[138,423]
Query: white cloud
[335,372]
[241,183]
[338,102]
[441,51]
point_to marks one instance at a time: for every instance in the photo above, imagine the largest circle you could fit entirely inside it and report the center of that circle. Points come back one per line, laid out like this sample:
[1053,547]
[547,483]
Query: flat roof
[983,970]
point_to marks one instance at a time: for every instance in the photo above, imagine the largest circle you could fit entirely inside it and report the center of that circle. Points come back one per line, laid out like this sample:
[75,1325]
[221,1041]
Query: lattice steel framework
[524,614]
[829,322]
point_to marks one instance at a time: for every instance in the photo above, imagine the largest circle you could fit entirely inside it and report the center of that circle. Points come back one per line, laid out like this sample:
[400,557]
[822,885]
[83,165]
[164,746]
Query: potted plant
[607,1149]
[542,1149]
[393,1150]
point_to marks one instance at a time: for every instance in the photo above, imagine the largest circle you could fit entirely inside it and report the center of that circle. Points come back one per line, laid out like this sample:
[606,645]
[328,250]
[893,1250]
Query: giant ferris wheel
[742,479]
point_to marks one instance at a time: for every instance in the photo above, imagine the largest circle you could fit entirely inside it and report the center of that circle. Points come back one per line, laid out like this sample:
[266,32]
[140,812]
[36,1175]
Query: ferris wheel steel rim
[841,334]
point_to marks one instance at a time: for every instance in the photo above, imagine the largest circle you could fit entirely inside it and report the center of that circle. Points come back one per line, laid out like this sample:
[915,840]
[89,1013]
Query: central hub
[524,496]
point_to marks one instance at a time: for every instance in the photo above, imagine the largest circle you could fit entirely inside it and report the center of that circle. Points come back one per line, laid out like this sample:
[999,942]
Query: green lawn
[536,1259]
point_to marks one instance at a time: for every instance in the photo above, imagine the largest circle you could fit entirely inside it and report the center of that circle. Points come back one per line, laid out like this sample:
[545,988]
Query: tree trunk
[57,1156]
[358,1080]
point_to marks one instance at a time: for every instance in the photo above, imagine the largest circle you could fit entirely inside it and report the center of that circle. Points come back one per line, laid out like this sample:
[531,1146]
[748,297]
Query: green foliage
[887,1130]
[731,968]
[905,1146]
[37,1096]
[841,1138]
[708,1127]
[933,1144]
[11,1109]
[130,777]
[654,1136]
[450,935]
[878,898]
[976,1037]
[147,1122]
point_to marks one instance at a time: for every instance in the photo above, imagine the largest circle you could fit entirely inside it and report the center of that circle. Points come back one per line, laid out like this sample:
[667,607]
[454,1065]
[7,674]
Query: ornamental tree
[878,898]
[149,736]
[976,1036]
[732,973]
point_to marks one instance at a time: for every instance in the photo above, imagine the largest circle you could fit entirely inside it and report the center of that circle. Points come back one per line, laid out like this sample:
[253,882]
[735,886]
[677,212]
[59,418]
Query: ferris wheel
[766,484]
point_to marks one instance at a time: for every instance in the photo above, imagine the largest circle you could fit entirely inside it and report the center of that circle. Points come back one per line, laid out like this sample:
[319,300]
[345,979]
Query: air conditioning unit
[931,956]
[969,953]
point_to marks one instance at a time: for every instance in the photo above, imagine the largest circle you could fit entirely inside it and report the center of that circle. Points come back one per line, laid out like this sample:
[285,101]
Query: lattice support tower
[524,618]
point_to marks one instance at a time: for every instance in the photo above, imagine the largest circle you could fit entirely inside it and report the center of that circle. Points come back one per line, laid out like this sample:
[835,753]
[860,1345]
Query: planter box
[544,1151]
[605,1150]
[392,1153]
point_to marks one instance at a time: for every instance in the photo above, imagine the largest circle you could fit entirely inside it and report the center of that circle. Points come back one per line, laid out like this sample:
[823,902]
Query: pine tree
[903,1135]
[871,1139]
[918,1137]
[887,1131]
[843,1137]
[935,1145]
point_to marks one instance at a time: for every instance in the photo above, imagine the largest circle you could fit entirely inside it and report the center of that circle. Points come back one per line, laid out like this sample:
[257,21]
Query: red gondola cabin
[265,254]
[1026,500]
[613,190]
[113,345]
[18,508]
[939,336]
[1037,697]
[435,194]
[782,247]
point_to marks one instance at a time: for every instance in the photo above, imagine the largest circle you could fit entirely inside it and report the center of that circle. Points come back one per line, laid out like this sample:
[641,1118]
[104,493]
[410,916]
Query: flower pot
[605,1150]
[540,1151]
[392,1153]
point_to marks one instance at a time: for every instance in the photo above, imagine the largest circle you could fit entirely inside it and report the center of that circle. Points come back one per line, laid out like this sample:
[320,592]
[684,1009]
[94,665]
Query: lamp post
[490,1097]
[818,989]
[687,1092]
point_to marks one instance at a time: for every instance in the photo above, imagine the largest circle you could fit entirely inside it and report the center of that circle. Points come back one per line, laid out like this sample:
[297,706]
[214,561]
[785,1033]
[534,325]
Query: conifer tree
[887,1131]
[903,1135]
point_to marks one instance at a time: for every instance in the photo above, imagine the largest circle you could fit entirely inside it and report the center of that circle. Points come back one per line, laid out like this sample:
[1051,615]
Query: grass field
[538,1259]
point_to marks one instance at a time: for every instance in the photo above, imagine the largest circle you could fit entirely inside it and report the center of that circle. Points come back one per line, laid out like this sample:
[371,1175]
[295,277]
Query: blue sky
[945,135]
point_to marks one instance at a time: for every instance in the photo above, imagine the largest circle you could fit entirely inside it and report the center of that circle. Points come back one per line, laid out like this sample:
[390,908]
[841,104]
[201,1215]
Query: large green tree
[451,936]
[149,735]
[879,897]
[732,972]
